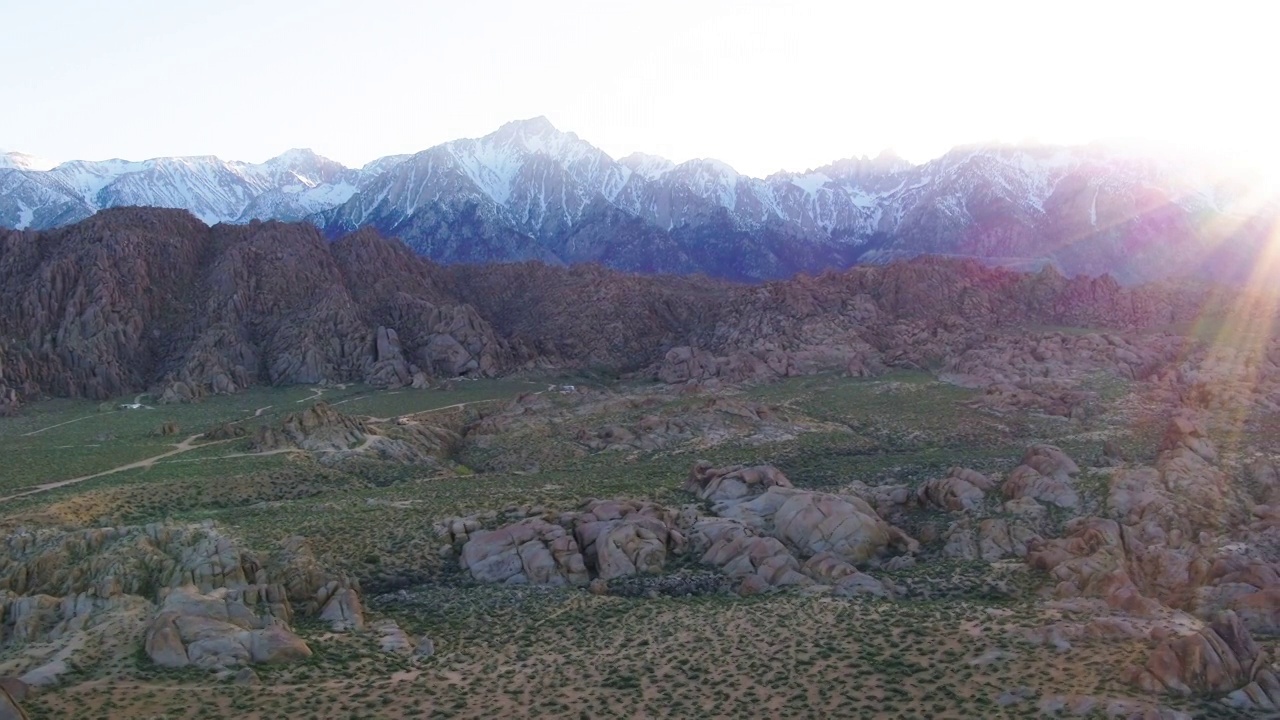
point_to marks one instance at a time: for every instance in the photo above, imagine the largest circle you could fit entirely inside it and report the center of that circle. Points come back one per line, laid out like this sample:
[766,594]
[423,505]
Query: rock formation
[211,631]
[334,437]
[531,551]
[763,533]
[960,490]
[1044,476]
[135,298]
[143,298]
[203,599]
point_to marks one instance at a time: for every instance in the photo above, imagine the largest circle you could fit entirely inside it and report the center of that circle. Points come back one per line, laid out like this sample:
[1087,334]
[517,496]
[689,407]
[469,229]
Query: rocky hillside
[531,191]
[138,299]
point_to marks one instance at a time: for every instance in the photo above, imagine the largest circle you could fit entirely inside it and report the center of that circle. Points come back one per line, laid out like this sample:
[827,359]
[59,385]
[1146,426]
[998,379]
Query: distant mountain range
[530,191]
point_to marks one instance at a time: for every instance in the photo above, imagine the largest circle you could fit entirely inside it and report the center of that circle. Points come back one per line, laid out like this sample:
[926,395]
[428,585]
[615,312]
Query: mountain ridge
[148,299]
[529,190]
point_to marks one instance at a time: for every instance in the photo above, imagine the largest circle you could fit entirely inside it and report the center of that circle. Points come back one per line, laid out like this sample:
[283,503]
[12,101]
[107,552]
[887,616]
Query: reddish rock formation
[139,298]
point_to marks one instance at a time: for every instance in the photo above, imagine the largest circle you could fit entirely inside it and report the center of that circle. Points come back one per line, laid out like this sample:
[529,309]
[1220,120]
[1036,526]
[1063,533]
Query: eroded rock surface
[530,551]
[210,631]
[188,594]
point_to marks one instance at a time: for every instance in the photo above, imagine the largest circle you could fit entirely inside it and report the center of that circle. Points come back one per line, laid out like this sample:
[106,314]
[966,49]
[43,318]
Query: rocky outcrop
[1219,658]
[1019,369]
[202,597]
[621,539]
[319,428]
[142,297]
[604,540]
[154,299]
[342,609]
[845,579]
[764,534]
[699,367]
[763,500]
[760,562]
[959,491]
[814,522]
[531,551]
[394,640]
[993,539]
[1198,490]
[734,482]
[334,437]
[1090,560]
[1044,475]
[211,631]
[717,420]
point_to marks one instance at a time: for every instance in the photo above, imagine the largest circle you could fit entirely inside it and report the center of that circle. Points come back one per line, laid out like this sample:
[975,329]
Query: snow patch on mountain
[25,215]
[811,183]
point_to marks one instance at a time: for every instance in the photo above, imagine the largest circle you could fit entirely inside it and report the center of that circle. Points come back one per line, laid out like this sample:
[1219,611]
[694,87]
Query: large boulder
[954,493]
[845,580]
[343,610]
[212,630]
[739,552]
[1218,658]
[275,645]
[999,538]
[1266,481]
[531,551]
[1090,561]
[620,539]
[734,482]
[1050,461]
[1044,475]
[815,522]
[993,539]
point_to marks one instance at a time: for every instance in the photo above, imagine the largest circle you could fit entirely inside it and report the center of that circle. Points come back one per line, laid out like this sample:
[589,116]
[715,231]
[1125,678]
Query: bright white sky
[761,85]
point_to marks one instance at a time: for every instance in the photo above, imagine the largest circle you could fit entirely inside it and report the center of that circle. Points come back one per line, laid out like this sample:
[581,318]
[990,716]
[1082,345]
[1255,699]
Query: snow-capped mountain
[527,175]
[299,183]
[22,161]
[292,186]
[531,191]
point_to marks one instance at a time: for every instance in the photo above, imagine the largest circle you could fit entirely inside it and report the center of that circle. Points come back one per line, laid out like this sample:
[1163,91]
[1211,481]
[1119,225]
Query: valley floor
[961,637]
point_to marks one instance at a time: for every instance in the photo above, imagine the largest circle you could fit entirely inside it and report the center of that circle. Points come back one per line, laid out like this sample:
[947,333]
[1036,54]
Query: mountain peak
[710,166]
[886,163]
[888,159]
[538,126]
[23,161]
[649,167]
[295,156]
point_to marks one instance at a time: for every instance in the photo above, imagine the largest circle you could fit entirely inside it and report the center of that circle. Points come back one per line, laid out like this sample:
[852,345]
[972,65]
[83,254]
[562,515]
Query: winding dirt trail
[370,419]
[318,392]
[188,445]
[264,453]
[178,448]
[37,432]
